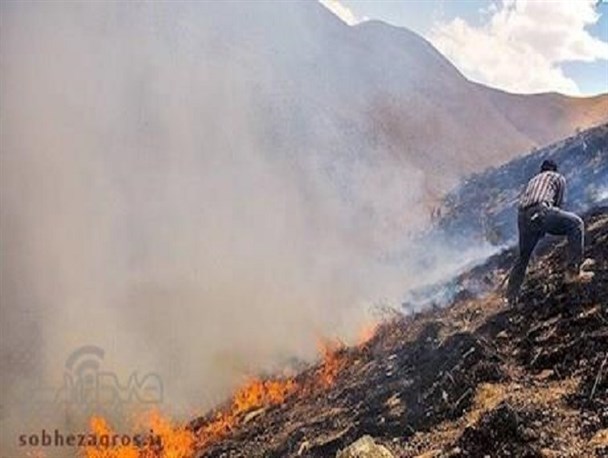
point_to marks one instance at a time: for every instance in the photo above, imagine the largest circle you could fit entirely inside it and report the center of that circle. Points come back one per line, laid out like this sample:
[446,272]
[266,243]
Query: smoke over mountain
[202,188]
[146,210]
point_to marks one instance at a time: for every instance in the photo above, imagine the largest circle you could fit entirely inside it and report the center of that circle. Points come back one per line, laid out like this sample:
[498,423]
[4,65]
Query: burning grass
[475,377]
[100,427]
[163,440]
[261,394]
[367,333]
[169,440]
[334,361]
[440,380]
[254,394]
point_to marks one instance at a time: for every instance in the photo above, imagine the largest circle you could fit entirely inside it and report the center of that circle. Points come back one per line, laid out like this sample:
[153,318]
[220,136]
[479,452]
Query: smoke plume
[162,198]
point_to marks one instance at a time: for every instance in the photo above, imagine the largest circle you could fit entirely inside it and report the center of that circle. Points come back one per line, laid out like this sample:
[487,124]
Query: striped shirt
[546,187]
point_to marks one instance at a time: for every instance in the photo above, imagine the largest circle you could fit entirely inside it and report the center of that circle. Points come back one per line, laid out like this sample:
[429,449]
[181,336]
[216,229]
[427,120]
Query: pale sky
[522,46]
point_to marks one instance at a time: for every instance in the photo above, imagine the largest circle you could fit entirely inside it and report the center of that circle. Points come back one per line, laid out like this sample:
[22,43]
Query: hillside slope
[289,75]
[484,206]
[567,114]
[471,379]
[458,125]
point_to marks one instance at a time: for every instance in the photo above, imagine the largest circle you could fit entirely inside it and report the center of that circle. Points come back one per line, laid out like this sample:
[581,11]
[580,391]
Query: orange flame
[178,442]
[258,393]
[173,441]
[100,428]
[334,361]
[367,333]
[216,429]
[35,454]
[254,394]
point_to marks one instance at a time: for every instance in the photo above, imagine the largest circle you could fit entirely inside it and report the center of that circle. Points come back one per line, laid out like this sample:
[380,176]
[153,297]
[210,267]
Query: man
[539,214]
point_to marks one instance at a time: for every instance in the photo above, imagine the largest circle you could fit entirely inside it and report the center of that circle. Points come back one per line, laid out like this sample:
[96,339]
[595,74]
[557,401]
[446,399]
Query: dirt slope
[473,379]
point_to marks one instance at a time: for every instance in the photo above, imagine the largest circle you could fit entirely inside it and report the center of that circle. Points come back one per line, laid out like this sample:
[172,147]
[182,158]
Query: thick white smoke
[161,200]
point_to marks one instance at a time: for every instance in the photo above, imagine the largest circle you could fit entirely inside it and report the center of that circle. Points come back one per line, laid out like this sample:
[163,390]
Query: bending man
[539,214]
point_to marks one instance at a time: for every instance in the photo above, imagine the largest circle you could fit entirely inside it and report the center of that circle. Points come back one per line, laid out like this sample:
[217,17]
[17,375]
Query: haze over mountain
[211,181]
[372,90]
[369,106]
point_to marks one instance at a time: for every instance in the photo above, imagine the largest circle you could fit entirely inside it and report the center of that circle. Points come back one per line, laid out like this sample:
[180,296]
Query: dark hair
[548,166]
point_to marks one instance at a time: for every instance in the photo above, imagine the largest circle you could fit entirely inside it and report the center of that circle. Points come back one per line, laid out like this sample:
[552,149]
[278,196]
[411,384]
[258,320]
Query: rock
[326,444]
[545,374]
[304,447]
[529,434]
[253,414]
[430,454]
[503,430]
[393,401]
[365,447]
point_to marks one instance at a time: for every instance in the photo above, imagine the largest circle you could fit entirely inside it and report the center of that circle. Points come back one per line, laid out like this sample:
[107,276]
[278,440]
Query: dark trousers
[533,223]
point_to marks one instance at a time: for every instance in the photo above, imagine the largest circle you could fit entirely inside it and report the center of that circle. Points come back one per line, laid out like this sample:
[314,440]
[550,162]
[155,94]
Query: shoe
[587,264]
[512,300]
[583,276]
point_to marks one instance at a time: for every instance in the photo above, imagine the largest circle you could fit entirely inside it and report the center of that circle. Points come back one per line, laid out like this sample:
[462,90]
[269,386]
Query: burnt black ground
[414,386]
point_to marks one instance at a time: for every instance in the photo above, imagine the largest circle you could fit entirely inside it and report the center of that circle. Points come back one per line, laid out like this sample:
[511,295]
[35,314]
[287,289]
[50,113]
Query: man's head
[548,166]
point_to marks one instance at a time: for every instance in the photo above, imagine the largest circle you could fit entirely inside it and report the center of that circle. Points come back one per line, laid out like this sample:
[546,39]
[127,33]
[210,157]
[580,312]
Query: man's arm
[561,190]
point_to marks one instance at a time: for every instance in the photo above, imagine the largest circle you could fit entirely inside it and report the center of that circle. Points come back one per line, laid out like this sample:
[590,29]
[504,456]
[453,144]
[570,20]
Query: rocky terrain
[474,379]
